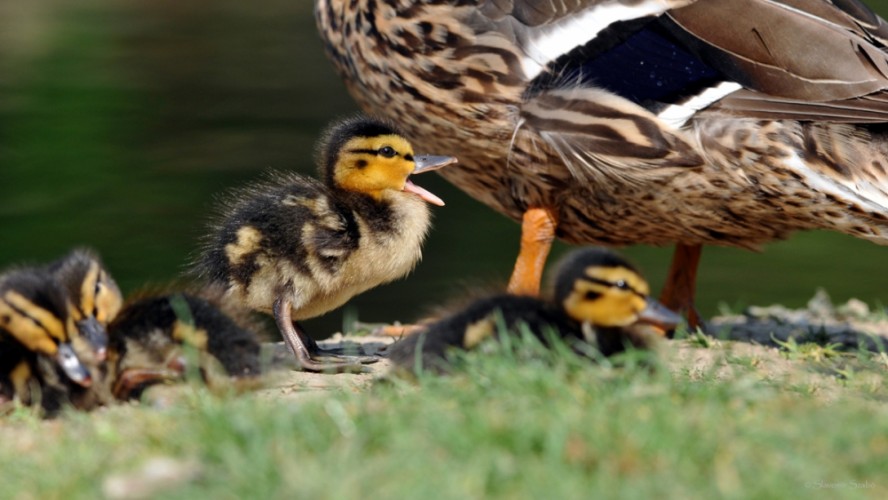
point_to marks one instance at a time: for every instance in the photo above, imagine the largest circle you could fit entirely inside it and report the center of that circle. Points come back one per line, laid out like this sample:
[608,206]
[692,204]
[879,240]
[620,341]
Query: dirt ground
[753,337]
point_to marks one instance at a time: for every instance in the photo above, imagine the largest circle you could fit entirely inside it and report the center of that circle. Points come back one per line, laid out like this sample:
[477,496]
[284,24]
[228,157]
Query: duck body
[297,247]
[585,131]
[599,300]
[150,338]
[722,122]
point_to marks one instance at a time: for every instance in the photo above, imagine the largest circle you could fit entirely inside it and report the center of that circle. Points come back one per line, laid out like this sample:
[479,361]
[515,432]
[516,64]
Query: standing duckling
[95,297]
[42,355]
[599,298]
[297,247]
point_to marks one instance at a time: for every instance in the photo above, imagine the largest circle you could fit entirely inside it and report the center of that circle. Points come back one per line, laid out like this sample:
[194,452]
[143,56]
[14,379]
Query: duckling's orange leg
[299,343]
[537,233]
[681,284]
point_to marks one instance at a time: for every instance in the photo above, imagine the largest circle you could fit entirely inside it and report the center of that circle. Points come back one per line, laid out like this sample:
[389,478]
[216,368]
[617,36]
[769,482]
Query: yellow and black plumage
[298,247]
[689,122]
[43,358]
[598,298]
[94,296]
[153,338]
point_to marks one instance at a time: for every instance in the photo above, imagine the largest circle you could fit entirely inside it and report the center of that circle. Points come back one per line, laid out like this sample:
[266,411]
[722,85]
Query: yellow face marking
[477,332]
[88,289]
[109,300]
[363,167]
[30,324]
[99,296]
[20,376]
[190,335]
[248,239]
[598,299]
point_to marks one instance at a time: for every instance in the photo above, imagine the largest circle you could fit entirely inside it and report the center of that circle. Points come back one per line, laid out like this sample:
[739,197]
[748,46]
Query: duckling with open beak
[297,247]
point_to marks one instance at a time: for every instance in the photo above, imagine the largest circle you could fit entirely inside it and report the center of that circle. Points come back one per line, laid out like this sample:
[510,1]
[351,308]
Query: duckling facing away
[43,359]
[598,298]
[297,247]
[95,297]
[150,341]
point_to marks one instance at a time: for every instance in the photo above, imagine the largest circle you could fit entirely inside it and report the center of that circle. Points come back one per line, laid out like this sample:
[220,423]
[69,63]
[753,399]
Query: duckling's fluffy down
[293,236]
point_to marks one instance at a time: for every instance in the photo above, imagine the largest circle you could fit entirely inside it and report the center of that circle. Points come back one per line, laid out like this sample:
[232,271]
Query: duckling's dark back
[481,319]
[151,321]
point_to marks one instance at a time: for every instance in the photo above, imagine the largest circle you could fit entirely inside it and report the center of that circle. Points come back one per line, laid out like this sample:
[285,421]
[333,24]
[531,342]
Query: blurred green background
[121,121]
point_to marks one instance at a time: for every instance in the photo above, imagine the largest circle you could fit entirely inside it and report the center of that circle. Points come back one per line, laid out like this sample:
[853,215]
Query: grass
[508,425]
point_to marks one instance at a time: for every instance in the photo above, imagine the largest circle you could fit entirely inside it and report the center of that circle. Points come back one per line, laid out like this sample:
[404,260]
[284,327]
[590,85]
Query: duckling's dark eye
[622,285]
[387,151]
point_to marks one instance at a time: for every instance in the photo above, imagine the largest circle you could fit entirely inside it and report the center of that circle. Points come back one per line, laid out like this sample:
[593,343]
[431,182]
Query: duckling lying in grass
[95,297]
[152,340]
[297,247]
[43,359]
[599,298]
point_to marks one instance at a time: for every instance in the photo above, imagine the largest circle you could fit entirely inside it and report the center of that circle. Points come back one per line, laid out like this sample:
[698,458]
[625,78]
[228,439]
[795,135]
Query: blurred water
[120,121]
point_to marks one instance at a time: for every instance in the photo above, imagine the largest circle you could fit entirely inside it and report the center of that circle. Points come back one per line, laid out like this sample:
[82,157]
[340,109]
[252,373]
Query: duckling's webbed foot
[308,354]
[336,353]
[341,355]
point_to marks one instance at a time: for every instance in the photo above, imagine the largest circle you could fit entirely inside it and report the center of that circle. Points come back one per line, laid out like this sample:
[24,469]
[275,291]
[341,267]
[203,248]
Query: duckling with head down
[599,298]
[42,354]
[150,341]
[297,247]
[94,296]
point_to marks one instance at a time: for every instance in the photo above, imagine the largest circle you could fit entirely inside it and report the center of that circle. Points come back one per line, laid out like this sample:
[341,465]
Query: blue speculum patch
[649,67]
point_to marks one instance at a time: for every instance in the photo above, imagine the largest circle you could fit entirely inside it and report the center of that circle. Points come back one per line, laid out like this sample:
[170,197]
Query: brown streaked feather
[535,13]
[777,49]
[589,127]
[872,108]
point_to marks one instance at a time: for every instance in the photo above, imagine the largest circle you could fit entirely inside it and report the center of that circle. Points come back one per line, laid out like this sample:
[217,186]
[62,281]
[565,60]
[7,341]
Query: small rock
[157,474]
[854,308]
[821,305]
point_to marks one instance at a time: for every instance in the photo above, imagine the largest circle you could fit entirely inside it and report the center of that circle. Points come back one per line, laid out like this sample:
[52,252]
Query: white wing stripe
[678,114]
[548,42]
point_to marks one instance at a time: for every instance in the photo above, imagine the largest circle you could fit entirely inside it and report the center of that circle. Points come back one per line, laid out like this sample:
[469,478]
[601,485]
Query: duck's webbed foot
[681,285]
[308,354]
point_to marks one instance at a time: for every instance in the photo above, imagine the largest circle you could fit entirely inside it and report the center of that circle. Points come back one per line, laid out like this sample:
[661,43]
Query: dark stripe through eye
[621,284]
[385,151]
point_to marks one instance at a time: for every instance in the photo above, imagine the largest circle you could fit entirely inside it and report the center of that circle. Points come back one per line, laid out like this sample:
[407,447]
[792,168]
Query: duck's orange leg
[681,284]
[537,233]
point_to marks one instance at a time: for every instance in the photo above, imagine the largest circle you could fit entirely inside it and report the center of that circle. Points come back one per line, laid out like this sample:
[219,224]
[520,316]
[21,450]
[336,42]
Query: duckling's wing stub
[289,218]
